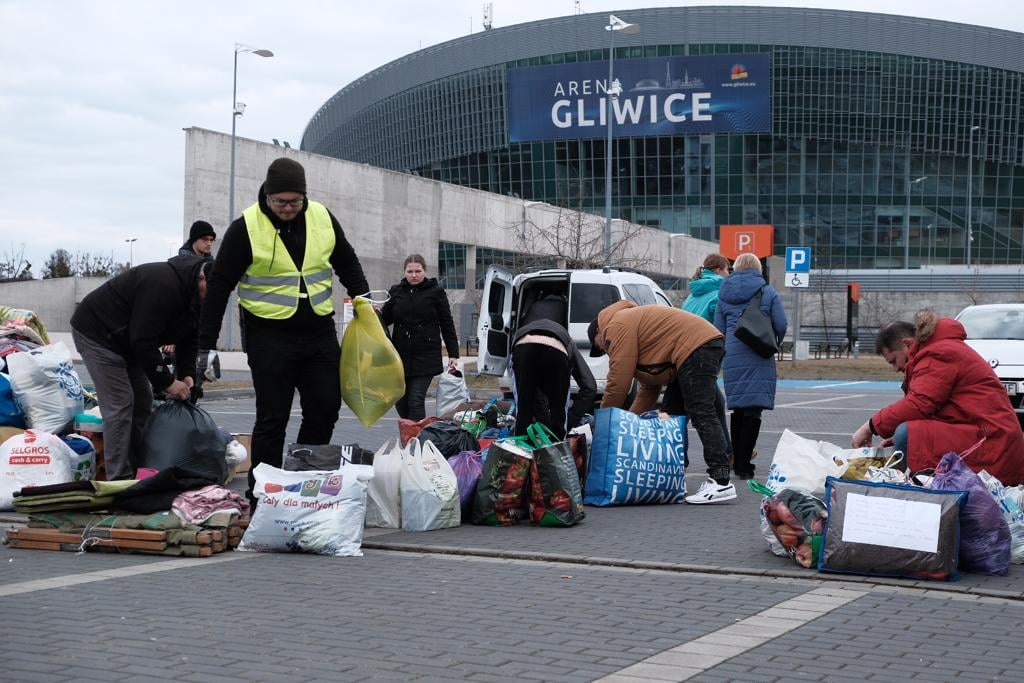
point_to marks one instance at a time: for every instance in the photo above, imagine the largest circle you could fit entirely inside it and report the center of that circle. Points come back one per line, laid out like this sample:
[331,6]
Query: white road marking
[845,397]
[697,656]
[838,384]
[119,573]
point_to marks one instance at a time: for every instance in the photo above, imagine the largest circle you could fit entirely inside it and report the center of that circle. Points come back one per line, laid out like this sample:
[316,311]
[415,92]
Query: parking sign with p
[798,259]
[739,239]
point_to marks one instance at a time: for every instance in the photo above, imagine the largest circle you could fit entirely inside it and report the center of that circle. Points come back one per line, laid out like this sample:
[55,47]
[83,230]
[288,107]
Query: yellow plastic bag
[372,375]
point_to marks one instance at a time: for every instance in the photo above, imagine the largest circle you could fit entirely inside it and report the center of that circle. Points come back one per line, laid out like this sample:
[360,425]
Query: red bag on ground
[408,429]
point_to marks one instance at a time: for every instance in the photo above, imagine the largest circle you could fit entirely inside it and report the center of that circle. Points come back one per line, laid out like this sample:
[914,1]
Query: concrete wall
[52,300]
[388,215]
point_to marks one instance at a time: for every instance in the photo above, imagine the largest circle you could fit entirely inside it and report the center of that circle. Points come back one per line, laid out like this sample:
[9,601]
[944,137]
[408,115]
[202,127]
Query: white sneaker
[712,492]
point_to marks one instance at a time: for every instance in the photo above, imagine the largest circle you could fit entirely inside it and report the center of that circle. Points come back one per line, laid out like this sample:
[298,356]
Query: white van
[570,297]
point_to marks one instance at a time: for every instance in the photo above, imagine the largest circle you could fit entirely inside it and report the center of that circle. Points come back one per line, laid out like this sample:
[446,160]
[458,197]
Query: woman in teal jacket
[704,286]
[703,301]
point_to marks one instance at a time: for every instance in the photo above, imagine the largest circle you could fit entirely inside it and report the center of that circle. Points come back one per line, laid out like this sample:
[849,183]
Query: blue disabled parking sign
[798,259]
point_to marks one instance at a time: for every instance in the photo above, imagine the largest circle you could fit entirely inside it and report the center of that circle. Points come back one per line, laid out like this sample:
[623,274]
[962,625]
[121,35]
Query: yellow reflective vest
[271,286]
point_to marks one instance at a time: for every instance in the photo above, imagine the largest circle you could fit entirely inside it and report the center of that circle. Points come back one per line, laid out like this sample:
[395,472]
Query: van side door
[493,327]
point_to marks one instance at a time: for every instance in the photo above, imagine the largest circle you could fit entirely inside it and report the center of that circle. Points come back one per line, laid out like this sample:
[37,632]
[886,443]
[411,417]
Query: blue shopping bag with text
[636,460]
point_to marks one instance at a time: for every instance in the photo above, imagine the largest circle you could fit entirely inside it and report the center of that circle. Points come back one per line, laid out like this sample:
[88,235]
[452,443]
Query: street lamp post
[237,108]
[131,243]
[612,90]
[906,225]
[672,236]
[970,191]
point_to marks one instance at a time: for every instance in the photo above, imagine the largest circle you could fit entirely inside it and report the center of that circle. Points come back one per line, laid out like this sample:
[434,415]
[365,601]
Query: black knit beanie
[200,229]
[285,175]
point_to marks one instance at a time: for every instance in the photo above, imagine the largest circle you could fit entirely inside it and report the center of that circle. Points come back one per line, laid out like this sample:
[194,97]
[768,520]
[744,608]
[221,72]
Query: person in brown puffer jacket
[658,346]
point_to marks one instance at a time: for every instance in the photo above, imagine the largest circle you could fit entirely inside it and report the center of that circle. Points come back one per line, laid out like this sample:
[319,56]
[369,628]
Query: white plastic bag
[1011,511]
[383,504]
[803,464]
[235,454]
[451,391]
[430,491]
[83,457]
[308,512]
[32,458]
[46,387]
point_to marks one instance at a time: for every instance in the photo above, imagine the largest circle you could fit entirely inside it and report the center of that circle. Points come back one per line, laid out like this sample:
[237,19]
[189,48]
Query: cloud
[94,95]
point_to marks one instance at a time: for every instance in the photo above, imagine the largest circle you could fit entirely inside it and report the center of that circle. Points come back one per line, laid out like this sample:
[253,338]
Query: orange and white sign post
[758,240]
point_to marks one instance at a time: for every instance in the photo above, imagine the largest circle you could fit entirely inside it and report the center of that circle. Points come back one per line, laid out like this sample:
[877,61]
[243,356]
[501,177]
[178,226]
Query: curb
[681,568]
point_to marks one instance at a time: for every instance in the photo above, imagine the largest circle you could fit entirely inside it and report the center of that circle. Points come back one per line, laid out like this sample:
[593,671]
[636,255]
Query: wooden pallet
[208,542]
[155,540]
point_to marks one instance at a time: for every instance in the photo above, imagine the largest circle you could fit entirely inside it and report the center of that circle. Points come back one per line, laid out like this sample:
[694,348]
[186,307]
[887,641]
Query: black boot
[751,430]
[736,436]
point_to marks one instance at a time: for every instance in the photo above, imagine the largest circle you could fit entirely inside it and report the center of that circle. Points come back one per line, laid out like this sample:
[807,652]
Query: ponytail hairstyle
[712,262]
[415,258]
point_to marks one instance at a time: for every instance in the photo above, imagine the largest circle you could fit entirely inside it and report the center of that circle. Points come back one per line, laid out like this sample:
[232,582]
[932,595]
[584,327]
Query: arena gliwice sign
[660,96]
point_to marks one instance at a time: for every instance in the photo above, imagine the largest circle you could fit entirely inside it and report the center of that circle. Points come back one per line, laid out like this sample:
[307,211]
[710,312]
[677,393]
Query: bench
[834,345]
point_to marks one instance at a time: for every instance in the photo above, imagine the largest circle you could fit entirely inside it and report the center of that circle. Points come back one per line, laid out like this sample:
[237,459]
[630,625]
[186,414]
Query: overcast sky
[94,95]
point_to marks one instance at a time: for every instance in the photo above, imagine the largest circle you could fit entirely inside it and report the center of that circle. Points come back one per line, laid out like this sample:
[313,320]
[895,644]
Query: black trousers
[412,405]
[541,374]
[698,386]
[280,365]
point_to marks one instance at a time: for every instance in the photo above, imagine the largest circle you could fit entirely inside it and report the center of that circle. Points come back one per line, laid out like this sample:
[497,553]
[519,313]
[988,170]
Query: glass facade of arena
[868,152]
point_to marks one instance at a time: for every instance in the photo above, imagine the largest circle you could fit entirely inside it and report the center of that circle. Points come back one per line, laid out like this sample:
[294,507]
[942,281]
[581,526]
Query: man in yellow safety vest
[280,255]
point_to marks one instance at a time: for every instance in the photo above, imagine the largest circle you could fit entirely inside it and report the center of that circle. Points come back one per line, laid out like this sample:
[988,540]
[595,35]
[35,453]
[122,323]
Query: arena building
[879,141]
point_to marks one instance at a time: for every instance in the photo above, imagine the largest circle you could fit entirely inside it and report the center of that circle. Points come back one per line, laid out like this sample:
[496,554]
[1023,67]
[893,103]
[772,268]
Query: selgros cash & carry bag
[636,460]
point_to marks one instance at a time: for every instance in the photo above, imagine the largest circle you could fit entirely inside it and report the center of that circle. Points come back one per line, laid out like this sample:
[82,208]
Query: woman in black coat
[418,309]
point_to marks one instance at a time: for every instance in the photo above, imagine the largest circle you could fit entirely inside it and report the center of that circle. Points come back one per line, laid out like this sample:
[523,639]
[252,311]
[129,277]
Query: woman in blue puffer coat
[749,377]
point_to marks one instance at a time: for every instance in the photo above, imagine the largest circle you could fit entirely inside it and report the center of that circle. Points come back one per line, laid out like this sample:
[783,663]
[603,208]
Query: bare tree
[877,310]
[577,240]
[14,266]
[96,265]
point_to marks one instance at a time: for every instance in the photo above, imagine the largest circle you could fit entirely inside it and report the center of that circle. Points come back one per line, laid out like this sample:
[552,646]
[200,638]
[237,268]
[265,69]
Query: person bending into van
[544,358]
[953,401]
[658,346]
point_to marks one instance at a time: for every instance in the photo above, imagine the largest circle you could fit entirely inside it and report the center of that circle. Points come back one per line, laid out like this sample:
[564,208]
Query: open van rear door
[494,323]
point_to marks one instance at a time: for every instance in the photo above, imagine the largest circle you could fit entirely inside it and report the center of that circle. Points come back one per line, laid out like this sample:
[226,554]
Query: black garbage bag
[450,438]
[179,433]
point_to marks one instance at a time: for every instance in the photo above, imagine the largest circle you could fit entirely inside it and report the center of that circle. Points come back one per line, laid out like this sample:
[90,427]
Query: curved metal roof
[862,31]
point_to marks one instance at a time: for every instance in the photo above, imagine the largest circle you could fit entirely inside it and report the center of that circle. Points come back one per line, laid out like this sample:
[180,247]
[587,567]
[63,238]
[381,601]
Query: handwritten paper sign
[891,523]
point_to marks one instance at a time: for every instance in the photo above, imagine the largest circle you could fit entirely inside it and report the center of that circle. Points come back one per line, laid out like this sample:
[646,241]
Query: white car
[996,332]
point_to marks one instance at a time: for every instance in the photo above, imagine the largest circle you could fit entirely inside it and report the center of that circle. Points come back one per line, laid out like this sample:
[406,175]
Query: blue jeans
[412,406]
[698,384]
[899,438]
